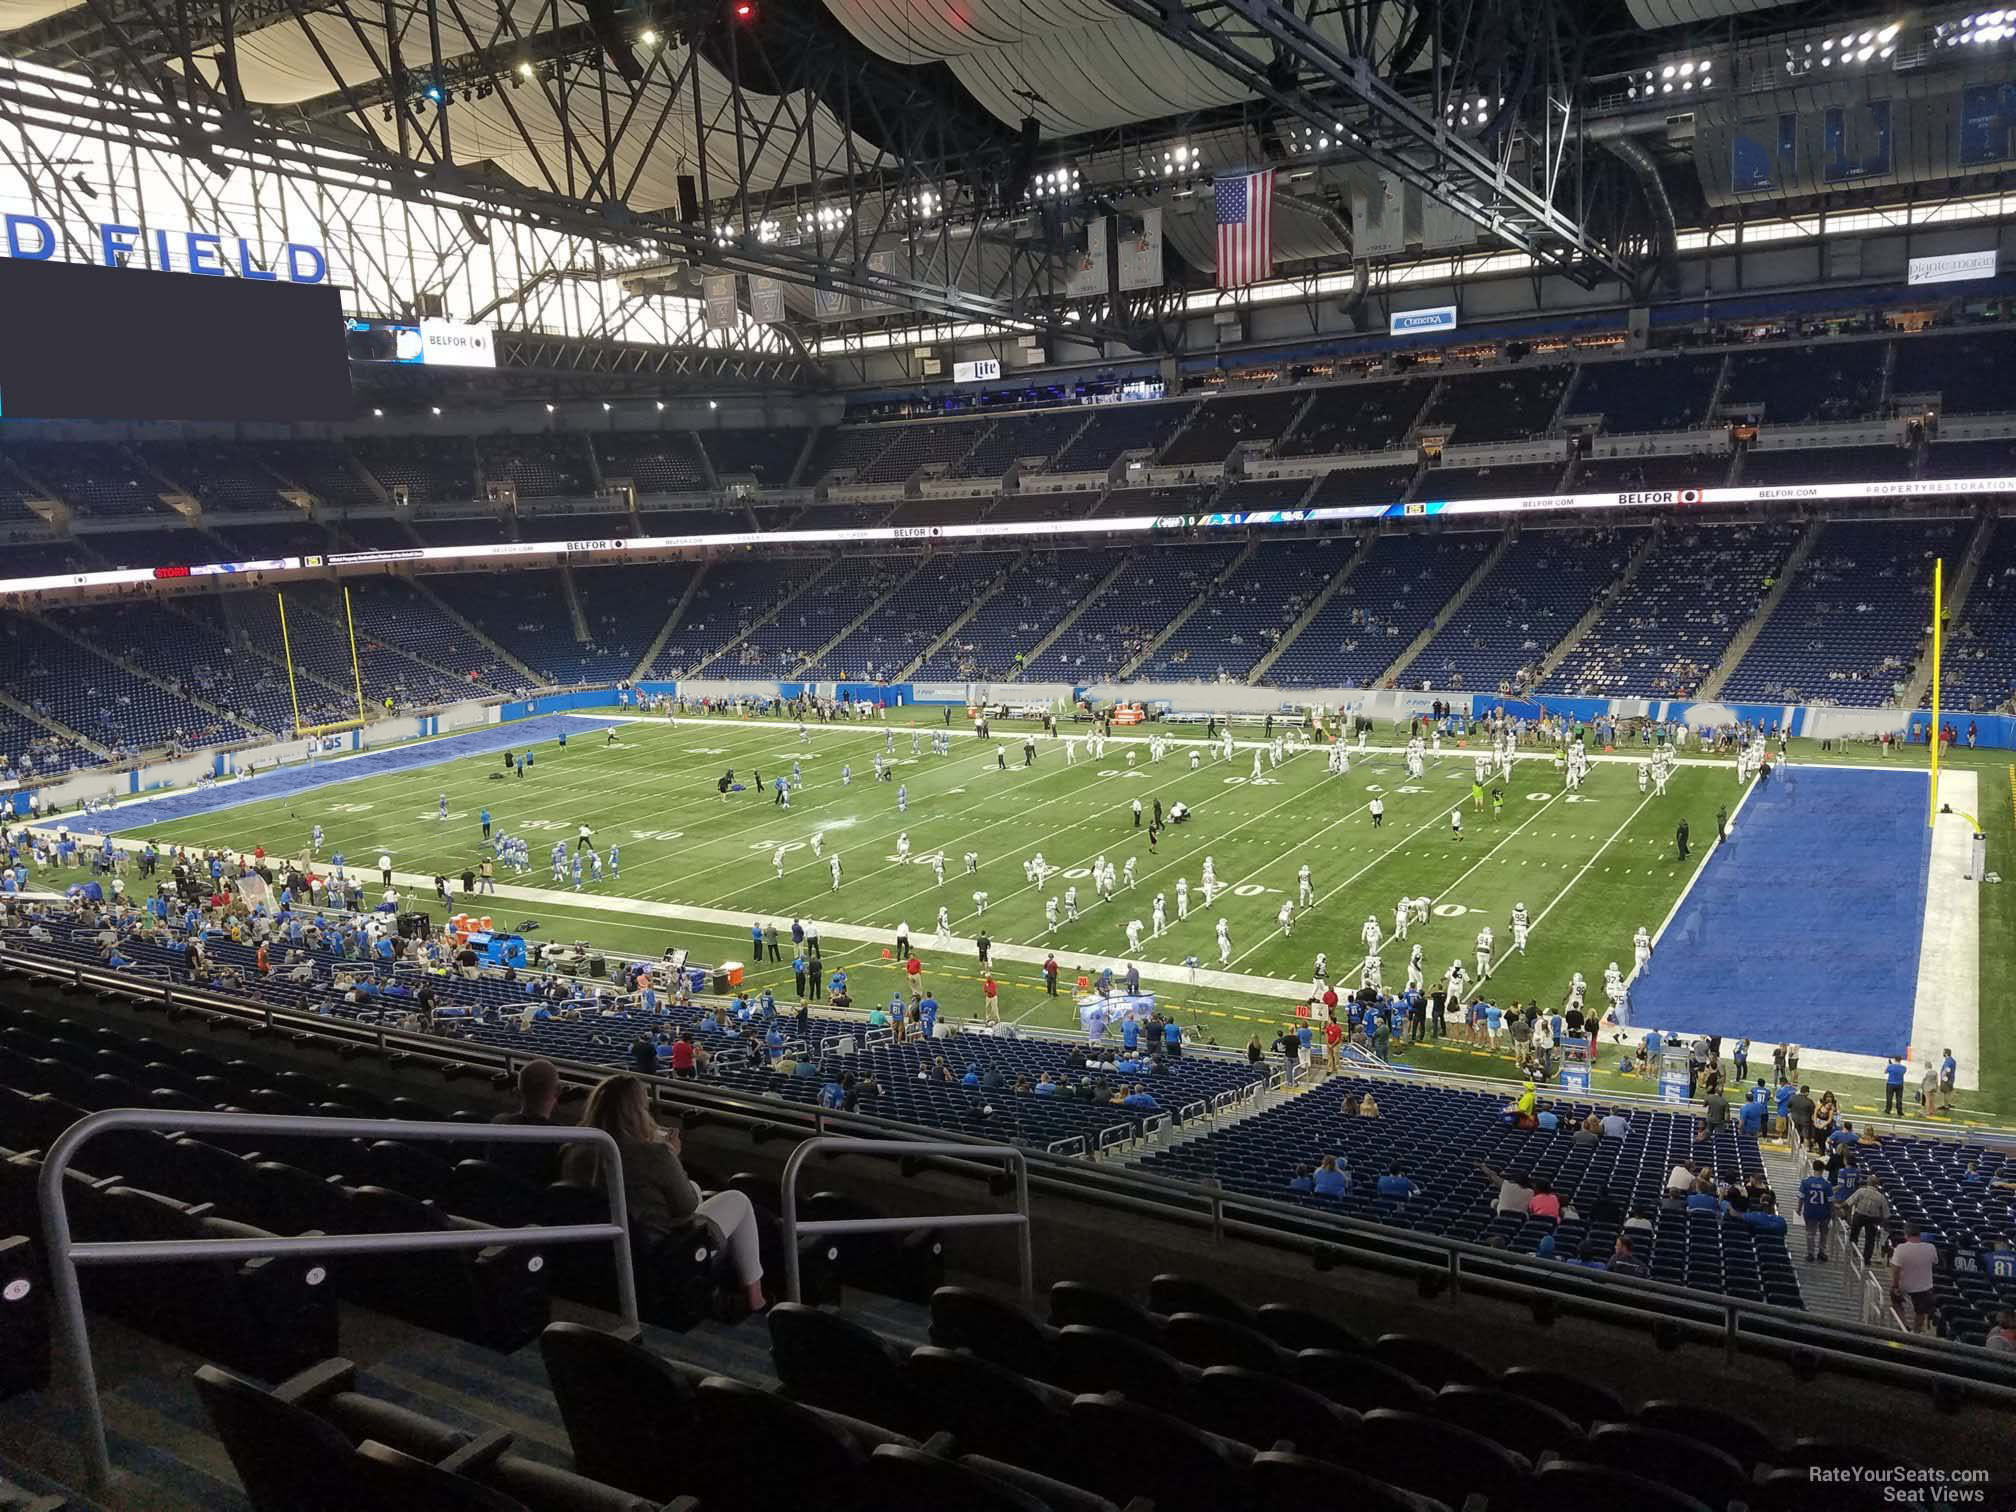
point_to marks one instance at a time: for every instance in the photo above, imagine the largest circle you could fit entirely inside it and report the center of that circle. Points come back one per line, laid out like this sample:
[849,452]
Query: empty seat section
[1502,404]
[1118,624]
[1543,584]
[1668,627]
[655,462]
[1391,597]
[1798,385]
[1850,626]
[1240,620]
[1223,423]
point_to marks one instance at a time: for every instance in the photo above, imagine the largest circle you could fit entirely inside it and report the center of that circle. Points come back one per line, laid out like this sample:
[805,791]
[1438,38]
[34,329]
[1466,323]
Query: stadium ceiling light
[661,406]
[524,68]
[712,404]
[434,409]
[377,413]
[648,37]
[549,409]
[605,407]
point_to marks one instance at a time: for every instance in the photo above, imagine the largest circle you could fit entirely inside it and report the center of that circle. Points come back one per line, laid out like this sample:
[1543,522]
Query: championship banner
[1085,272]
[719,289]
[888,265]
[766,300]
[1141,254]
[831,304]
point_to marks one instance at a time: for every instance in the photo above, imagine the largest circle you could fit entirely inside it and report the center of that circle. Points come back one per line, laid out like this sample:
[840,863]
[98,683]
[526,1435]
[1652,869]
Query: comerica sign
[33,239]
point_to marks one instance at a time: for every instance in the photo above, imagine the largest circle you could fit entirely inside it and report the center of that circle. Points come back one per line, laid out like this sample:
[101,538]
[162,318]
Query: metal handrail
[787,1184]
[65,1255]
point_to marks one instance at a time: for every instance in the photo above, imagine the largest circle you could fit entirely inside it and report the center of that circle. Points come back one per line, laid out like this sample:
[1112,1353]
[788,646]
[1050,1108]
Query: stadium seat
[1522,1425]
[1431,1363]
[1736,1436]
[908,1265]
[1202,1340]
[1574,1486]
[753,1449]
[1098,1359]
[1077,1302]
[1686,1464]
[24,1322]
[987,1408]
[1177,1467]
[1169,1294]
[996,1331]
[1260,1409]
[1359,1382]
[1297,1328]
[629,1413]
[1581,1400]
[679,1278]
[1439,1459]
[1303,1483]
[829,1361]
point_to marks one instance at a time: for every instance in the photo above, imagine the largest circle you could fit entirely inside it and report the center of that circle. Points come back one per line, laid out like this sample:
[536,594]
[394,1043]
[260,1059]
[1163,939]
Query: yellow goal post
[329,727]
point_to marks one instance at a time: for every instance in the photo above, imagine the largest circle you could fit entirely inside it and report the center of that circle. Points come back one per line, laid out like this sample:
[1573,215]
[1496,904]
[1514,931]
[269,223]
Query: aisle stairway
[1831,1290]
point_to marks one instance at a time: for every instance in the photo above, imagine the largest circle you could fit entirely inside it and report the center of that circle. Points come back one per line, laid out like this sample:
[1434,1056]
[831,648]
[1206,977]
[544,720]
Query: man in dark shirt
[1799,1111]
[535,1164]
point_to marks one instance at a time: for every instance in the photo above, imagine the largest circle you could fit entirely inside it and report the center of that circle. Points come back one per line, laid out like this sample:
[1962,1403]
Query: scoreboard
[91,343]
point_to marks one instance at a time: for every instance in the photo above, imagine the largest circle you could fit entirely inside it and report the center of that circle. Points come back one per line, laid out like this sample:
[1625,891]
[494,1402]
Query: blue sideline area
[284,782]
[1804,928]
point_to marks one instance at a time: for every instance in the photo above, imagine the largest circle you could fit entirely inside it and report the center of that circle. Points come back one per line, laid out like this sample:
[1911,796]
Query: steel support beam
[1386,128]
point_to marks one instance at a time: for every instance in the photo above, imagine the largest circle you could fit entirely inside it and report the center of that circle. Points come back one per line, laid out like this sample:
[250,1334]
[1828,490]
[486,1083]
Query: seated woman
[659,1194]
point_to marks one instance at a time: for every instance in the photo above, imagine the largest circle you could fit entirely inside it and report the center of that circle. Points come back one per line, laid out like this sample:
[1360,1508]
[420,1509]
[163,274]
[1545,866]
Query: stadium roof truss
[921,165]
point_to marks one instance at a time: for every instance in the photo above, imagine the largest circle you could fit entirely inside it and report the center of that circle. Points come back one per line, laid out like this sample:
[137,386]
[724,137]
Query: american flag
[1245,228]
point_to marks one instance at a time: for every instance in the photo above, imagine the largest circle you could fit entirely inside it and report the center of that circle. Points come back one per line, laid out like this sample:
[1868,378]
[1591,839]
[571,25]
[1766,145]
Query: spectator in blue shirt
[1332,1180]
[1302,1181]
[1751,1116]
[1140,1100]
[2000,1262]
[1949,1073]
[1396,1187]
[1816,1207]
[1045,1086]
[927,1011]
[972,1077]
[832,1095]
[1703,1199]
[1172,1038]
[1893,1086]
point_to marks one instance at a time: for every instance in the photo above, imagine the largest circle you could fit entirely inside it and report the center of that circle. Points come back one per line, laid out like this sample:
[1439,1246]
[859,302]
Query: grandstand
[982,762]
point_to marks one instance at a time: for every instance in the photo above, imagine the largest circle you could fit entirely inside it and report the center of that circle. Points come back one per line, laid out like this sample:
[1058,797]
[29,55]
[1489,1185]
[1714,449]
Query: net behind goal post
[313,732]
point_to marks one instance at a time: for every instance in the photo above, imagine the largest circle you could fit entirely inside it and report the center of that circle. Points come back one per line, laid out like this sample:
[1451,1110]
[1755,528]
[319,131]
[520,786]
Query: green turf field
[1589,867]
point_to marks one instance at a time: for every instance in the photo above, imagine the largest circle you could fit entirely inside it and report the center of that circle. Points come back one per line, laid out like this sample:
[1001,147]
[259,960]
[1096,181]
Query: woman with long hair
[659,1193]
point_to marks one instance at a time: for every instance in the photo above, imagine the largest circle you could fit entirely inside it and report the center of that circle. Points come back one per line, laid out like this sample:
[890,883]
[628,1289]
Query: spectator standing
[1816,1208]
[1893,1086]
[1868,1213]
[1912,1264]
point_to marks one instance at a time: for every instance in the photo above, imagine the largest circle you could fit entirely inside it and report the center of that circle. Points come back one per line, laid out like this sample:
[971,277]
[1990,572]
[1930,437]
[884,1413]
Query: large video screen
[88,343]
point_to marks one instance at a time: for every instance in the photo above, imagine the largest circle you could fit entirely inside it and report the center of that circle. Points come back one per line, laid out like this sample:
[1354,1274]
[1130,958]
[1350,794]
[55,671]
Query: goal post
[329,727]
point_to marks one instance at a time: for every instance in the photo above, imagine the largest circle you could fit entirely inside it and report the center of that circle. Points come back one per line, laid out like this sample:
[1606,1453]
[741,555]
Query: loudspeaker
[1023,168]
[598,966]
[689,199]
[415,926]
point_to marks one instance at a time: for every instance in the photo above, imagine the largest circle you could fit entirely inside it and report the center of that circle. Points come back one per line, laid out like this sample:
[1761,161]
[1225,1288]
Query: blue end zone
[1804,928]
[285,782]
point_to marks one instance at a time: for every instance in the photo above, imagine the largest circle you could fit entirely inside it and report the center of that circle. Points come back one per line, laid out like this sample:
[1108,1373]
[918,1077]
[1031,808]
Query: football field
[698,868]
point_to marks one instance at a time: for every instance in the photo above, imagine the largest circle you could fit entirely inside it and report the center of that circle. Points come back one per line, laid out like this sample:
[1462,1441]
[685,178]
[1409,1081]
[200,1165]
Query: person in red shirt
[992,989]
[1050,974]
[262,961]
[683,1060]
[1333,1036]
[915,969]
